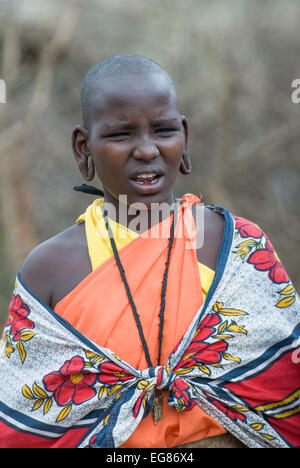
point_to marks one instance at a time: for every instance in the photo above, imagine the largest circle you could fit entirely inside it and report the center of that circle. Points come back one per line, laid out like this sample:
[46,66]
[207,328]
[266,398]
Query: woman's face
[137,138]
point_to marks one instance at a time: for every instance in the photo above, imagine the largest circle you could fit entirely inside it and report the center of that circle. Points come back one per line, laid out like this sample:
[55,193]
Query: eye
[168,131]
[118,136]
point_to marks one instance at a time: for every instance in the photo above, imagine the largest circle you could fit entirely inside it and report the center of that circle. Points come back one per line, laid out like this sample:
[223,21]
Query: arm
[37,271]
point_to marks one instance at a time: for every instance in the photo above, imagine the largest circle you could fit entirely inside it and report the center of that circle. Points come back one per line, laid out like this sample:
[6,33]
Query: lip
[146,170]
[145,189]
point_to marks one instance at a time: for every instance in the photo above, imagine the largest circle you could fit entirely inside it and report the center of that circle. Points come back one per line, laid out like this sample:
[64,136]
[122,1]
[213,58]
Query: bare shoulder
[210,232]
[214,225]
[48,268]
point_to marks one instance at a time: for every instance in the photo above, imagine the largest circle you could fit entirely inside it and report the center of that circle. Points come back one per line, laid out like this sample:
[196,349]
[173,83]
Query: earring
[185,164]
[90,168]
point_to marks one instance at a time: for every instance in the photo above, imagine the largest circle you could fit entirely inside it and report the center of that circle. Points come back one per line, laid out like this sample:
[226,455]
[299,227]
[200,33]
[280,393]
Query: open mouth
[146,179]
[147,183]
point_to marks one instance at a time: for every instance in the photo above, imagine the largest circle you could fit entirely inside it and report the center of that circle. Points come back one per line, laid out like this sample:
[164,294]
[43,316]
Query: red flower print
[247,229]
[199,352]
[71,383]
[232,414]
[182,393]
[267,260]
[17,317]
[111,373]
[206,327]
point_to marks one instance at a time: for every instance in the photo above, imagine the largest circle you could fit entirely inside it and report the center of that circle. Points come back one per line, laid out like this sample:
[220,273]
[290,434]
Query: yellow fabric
[97,233]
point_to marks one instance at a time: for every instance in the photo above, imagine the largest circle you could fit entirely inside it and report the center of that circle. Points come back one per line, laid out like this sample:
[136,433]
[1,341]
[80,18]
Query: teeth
[146,176]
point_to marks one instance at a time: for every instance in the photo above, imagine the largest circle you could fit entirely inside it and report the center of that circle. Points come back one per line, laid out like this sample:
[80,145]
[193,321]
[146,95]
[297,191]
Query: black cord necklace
[156,404]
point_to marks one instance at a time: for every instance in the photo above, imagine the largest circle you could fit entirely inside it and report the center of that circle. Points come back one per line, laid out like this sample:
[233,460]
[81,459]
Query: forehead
[128,94]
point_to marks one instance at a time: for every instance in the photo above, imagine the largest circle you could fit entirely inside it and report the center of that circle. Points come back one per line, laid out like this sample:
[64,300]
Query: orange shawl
[98,307]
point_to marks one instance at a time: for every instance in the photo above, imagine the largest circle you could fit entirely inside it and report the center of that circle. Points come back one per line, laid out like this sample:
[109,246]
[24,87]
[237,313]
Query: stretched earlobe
[90,168]
[81,152]
[185,164]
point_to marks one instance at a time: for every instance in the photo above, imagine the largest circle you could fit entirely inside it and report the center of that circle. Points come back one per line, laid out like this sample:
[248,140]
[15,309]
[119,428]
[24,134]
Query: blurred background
[233,63]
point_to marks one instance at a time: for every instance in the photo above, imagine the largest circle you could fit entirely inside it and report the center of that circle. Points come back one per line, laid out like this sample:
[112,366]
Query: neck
[138,216]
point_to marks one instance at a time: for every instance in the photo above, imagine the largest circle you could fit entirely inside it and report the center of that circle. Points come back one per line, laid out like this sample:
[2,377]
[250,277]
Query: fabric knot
[182,396]
[164,379]
[159,377]
[190,199]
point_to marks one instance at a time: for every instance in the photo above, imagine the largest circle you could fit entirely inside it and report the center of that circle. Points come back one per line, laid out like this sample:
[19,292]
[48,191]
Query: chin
[149,199]
[129,197]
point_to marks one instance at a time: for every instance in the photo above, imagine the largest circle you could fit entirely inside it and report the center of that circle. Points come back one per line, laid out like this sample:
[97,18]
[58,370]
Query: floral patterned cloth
[239,360]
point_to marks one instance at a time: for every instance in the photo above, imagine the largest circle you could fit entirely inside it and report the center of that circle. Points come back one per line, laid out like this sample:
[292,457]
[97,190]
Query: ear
[185,163]
[80,146]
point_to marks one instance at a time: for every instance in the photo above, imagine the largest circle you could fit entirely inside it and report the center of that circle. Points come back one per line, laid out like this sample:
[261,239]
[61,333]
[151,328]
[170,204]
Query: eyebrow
[164,122]
[118,126]
[130,126]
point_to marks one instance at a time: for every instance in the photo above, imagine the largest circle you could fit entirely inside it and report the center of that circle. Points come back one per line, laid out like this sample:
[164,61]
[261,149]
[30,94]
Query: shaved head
[113,68]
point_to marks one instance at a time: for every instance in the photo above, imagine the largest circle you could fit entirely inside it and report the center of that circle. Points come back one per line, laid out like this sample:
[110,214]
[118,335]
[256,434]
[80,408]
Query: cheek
[173,153]
[109,169]
[104,158]
[173,146]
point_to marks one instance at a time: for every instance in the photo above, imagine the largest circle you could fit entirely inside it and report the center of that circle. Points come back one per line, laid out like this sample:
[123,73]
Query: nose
[145,149]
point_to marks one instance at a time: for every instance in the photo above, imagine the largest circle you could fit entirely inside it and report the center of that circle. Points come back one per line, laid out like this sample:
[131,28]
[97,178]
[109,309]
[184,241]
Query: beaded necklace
[157,412]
